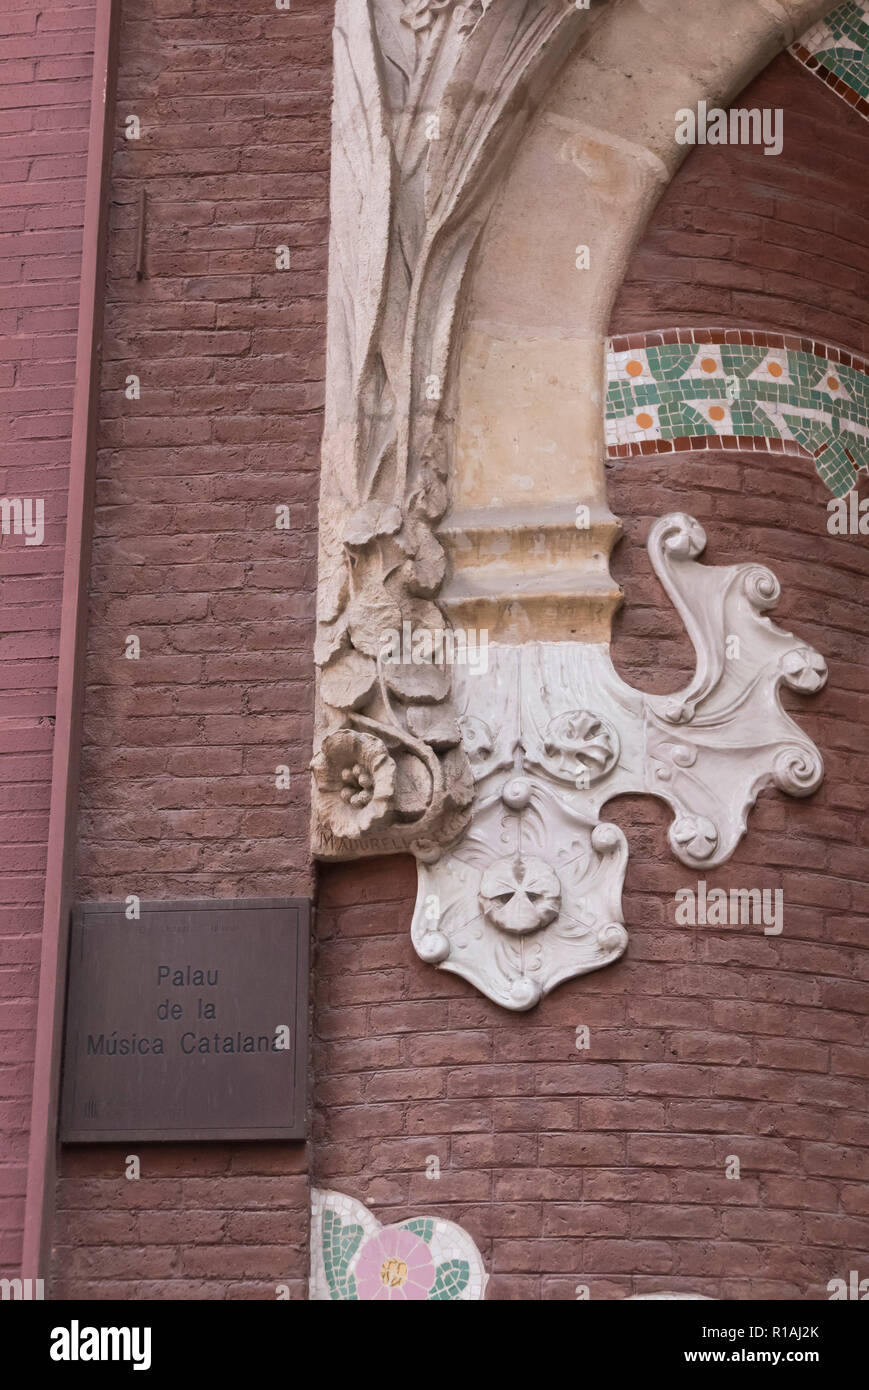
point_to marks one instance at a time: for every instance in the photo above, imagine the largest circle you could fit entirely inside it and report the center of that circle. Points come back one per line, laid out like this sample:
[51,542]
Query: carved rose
[355,777]
[520,894]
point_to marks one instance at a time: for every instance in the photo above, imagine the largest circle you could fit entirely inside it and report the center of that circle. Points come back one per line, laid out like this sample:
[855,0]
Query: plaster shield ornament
[355,1259]
[530,895]
[496,778]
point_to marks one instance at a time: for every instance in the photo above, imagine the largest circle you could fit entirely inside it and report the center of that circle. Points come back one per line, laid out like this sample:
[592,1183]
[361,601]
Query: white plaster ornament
[495,779]
[421,1260]
[530,895]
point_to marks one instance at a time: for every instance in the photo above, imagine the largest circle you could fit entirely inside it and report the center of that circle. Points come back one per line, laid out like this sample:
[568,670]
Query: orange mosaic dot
[833,383]
[716,412]
[645,421]
[776,369]
[634,368]
[709,364]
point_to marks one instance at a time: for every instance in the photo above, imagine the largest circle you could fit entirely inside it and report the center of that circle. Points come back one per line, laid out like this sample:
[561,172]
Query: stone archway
[510,420]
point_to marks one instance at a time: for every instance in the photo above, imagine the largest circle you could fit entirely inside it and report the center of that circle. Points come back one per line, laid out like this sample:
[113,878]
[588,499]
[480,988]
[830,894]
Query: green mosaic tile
[840,42]
[341,1240]
[422,1226]
[452,1277]
[804,400]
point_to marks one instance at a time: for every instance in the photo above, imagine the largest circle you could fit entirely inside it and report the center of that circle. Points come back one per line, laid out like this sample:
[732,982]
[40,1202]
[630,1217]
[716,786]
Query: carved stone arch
[463,479]
[588,173]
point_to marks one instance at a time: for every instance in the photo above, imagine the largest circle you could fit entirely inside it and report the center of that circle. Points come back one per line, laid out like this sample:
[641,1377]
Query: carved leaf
[510,45]
[331,638]
[361,180]
[332,591]
[506,43]
[413,787]
[424,571]
[424,681]
[371,520]
[348,680]
[435,727]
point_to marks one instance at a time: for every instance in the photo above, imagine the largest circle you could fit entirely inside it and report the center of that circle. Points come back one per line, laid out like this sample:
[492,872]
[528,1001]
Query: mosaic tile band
[355,1259]
[684,389]
[836,50]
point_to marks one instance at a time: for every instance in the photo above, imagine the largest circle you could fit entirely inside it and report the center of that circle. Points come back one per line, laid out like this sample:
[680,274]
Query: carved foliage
[430,100]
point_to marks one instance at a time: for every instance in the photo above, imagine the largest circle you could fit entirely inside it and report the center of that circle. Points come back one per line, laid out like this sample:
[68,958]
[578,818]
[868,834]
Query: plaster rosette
[355,1259]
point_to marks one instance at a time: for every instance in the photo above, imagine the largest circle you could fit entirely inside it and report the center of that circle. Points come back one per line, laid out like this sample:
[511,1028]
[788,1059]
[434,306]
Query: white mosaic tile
[422,1259]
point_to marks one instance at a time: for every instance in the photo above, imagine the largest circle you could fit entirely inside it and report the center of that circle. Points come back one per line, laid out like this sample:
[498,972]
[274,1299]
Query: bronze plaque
[190,1023]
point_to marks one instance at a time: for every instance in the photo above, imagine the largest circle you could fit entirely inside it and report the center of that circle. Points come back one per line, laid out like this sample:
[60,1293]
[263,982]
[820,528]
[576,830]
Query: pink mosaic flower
[394,1264]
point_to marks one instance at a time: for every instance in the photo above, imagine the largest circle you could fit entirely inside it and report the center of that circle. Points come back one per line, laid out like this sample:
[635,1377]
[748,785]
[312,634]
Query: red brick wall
[788,252]
[181,746]
[606,1167]
[45,71]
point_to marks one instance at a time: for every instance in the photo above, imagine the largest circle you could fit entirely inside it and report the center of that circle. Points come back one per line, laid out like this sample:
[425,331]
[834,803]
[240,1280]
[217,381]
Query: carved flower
[804,669]
[693,838]
[520,894]
[584,743]
[355,777]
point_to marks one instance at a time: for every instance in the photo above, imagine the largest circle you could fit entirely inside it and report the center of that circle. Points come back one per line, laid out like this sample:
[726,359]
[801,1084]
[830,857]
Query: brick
[606,1167]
